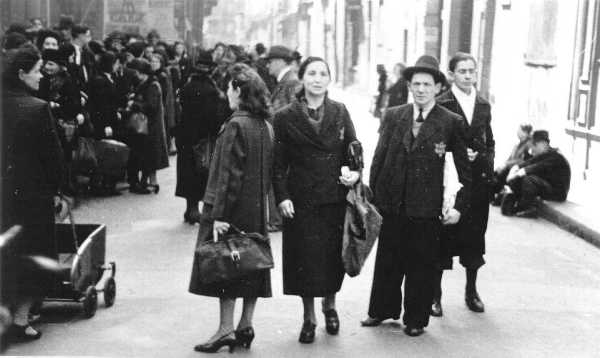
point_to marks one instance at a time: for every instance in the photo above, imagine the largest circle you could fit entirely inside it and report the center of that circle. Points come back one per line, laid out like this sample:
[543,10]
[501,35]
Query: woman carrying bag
[238,183]
[312,137]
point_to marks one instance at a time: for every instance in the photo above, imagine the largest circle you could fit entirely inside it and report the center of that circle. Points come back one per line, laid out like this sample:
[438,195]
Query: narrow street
[540,286]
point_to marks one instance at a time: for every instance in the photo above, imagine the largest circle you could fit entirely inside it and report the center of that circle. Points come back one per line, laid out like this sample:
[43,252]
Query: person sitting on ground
[520,153]
[547,175]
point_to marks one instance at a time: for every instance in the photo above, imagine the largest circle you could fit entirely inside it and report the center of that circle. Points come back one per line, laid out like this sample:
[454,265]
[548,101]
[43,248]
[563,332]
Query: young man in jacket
[279,64]
[407,177]
[547,175]
[467,238]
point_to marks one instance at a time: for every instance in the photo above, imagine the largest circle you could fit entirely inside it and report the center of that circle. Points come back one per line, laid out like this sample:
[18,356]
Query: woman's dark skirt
[255,285]
[191,182]
[312,251]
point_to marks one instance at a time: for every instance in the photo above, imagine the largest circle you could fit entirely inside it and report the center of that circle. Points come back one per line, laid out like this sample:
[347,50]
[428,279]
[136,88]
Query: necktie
[420,117]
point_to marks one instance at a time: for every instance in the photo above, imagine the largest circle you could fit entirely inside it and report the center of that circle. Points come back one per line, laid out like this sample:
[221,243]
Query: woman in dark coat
[201,120]
[60,91]
[236,194]
[148,152]
[32,169]
[312,138]
[158,63]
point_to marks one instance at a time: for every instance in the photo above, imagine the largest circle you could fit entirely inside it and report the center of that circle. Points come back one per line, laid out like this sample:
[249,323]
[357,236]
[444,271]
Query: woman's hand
[219,228]
[286,208]
[349,177]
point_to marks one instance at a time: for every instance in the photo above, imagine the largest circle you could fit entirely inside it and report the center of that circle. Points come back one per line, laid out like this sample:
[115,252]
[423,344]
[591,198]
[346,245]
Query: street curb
[568,223]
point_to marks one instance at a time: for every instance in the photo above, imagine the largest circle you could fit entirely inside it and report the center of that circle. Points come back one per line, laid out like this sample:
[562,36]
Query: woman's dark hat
[141,65]
[426,64]
[280,52]
[205,58]
[56,56]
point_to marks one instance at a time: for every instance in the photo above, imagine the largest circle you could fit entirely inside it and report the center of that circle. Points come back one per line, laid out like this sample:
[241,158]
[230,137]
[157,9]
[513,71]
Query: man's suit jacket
[479,136]
[285,91]
[410,172]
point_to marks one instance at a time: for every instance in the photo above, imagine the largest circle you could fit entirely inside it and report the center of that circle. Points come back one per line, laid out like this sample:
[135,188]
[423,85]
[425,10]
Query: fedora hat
[426,64]
[280,52]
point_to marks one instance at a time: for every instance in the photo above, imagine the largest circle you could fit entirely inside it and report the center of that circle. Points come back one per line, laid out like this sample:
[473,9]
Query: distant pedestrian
[467,238]
[313,135]
[279,64]
[201,120]
[398,92]
[261,64]
[382,96]
[520,153]
[236,194]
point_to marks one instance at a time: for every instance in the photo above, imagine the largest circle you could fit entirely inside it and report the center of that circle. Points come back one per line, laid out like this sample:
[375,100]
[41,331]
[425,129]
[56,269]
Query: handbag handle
[234,253]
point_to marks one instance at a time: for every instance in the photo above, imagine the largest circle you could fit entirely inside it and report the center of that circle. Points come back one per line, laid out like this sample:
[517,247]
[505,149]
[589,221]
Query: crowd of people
[261,144]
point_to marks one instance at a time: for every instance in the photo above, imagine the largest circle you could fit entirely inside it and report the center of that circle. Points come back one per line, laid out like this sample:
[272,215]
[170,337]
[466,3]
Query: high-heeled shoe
[332,321]
[19,333]
[307,334]
[245,336]
[213,347]
[153,188]
[191,217]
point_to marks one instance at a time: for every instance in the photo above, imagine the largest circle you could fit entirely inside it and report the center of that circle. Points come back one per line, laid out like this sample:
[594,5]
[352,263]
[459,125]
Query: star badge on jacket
[342,132]
[440,149]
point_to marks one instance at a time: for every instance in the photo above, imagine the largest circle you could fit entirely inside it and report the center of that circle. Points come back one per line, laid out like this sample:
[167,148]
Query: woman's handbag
[137,123]
[203,152]
[361,228]
[232,256]
[84,156]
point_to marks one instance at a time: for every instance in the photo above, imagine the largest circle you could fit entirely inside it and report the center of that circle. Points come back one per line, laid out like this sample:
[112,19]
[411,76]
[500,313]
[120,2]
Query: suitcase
[112,158]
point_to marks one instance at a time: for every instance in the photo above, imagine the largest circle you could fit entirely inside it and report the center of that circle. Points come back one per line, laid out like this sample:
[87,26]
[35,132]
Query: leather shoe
[530,213]
[474,302]
[332,321]
[436,309]
[371,322]
[414,331]
[307,334]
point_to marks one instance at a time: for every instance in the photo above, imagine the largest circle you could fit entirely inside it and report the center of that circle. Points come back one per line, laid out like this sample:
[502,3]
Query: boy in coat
[407,176]
[467,238]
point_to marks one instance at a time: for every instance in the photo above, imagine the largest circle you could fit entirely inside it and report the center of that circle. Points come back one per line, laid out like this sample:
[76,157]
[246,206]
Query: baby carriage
[81,254]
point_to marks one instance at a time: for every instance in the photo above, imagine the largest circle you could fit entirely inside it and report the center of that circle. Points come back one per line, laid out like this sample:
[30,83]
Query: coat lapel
[301,124]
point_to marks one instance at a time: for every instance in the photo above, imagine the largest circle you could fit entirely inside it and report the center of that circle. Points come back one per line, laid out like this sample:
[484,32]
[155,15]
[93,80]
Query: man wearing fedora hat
[547,175]
[279,64]
[407,176]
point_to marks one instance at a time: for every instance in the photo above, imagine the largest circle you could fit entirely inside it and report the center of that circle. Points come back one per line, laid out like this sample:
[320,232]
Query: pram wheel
[110,292]
[90,302]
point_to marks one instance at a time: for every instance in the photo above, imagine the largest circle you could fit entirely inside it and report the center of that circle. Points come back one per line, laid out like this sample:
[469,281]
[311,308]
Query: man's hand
[472,154]
[515,172]
[451,217]
[108,132]
[286,208]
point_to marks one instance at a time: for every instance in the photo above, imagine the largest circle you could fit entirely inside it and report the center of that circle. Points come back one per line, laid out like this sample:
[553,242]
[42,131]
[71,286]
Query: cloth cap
[540,135]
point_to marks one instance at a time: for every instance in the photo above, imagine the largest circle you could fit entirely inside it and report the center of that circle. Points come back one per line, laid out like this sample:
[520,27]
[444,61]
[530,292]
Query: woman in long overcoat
[150,154]
[236,194]
[312,138]
[163,75]
[201,119]
[32,169]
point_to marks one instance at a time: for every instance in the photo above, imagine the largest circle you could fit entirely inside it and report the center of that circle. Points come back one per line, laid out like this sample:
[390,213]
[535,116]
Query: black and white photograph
[299,178]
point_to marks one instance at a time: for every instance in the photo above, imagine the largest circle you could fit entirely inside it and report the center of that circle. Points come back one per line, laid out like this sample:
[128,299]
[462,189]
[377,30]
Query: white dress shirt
[466,101]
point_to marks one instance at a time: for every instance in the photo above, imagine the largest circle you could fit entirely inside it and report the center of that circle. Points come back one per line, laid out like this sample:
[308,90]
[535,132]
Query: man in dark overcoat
[467,238]
[407,177]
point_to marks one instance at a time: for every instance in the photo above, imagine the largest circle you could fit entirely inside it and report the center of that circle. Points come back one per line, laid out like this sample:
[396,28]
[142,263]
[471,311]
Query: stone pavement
[541,287]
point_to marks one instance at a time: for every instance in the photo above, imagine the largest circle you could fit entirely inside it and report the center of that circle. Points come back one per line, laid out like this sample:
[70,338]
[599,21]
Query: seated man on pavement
[547,175]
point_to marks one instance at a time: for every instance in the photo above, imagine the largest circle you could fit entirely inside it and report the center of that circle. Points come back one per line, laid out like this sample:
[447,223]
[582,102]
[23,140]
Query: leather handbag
[85,160]
[203,152]
[137,123]
[232,256]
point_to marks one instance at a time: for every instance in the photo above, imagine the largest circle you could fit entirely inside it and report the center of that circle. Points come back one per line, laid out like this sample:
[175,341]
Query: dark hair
[254,95]
[459,57]
[22,59]
[77,30]
[296,56]
[136,48]
[13,40]
[44,34]
[107,61]
[540,136]
[308,61]
[17,27]
[141,65]
[526,127]
[260,48]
